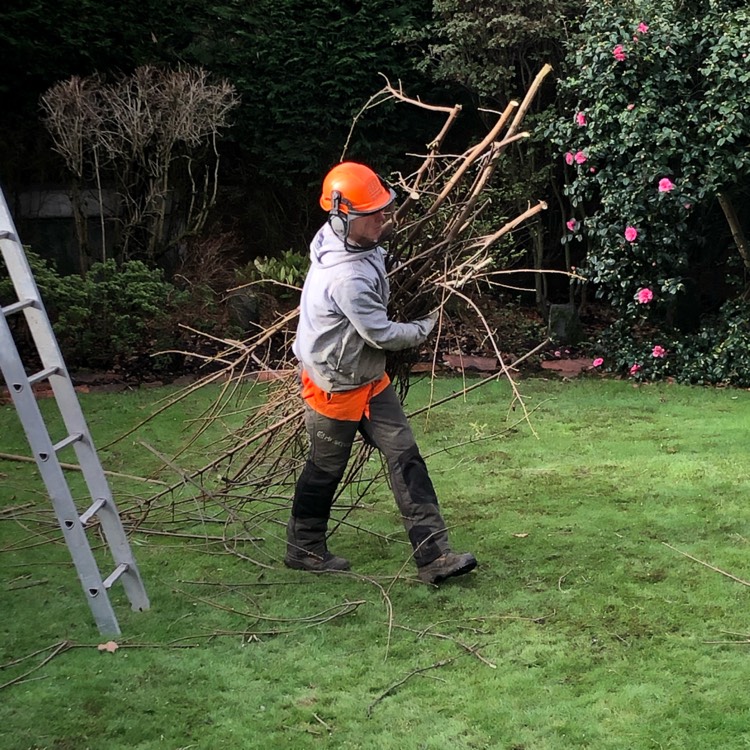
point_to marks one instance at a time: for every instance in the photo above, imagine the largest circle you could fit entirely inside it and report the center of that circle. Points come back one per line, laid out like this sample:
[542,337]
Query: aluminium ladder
[19,385]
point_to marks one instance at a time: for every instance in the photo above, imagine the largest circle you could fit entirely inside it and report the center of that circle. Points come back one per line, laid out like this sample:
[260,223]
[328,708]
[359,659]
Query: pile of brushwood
[439,250]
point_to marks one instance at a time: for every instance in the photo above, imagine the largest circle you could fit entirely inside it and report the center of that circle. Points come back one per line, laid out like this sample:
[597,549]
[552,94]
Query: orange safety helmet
[352,188]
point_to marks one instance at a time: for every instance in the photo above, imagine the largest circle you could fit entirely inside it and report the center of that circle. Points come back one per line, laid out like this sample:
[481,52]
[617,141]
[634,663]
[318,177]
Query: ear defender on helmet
[337,218]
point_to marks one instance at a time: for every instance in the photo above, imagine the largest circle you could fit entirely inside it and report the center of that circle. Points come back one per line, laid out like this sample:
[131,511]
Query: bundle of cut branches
[438,248]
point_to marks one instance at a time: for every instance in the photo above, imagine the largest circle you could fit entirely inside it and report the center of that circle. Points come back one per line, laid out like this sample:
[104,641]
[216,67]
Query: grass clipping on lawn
[439,248]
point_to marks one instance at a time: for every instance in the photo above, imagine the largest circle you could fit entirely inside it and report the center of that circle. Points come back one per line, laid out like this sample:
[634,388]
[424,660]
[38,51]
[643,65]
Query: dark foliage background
[304,70]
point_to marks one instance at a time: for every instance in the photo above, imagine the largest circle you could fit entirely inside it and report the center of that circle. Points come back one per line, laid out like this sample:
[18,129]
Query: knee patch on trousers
[314,493]
[417,479]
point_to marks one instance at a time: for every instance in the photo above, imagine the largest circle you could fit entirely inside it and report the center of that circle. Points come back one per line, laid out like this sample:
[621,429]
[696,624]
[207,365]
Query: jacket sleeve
[360,302]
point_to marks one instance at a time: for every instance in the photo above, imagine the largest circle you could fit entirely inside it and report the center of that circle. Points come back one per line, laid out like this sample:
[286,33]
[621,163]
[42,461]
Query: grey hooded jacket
[343,329]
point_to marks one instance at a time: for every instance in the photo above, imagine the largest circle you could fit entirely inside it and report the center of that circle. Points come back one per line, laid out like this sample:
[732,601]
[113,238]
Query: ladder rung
[17,306]
[6,235]
[96,506]
[115,574]
[74,438]
[43,375]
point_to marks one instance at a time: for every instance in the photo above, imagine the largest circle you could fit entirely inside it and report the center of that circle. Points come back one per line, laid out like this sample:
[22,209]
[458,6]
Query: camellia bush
[656,146]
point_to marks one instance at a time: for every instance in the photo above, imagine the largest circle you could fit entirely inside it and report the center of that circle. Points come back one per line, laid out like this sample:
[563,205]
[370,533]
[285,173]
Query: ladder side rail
[15,259]
[26,288]
[91,468]
[88,458]
[55,482]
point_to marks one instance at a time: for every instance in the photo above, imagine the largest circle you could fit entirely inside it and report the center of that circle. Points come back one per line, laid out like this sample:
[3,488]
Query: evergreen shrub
[115,318]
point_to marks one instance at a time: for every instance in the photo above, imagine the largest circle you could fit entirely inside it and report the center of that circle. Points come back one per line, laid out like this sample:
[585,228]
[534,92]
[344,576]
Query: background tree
[45,42]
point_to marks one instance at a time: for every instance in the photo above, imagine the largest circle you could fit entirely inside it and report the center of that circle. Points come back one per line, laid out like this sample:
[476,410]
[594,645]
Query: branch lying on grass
[57,648]
[404,680]
[24,582]
[13,509]
[711,567]
[473,650]
[76,467]
[199,537]
[469,649]
[745,639]
[319,618]
[61,647]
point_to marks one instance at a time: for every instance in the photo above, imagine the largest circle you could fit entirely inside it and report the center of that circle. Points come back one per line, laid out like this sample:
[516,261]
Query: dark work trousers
[387,428]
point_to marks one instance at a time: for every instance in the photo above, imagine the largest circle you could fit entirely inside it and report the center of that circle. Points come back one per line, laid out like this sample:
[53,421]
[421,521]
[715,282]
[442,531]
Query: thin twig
[396,685]
[711,567]
[76,467]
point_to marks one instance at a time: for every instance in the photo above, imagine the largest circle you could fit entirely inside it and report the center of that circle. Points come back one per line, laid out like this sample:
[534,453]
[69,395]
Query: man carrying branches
[342,336]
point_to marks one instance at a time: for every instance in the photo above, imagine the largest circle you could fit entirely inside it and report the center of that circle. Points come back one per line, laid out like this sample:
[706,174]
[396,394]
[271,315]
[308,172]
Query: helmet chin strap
[359,248]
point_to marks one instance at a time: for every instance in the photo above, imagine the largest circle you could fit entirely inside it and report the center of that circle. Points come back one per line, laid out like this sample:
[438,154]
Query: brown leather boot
[306,547]
[449,564]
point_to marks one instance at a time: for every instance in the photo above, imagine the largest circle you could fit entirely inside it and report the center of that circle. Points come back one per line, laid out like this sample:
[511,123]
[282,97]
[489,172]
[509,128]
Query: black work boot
[306,547]
[449,564]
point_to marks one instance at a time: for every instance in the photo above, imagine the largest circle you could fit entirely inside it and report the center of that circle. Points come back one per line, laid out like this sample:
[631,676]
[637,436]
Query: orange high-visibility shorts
[349,406]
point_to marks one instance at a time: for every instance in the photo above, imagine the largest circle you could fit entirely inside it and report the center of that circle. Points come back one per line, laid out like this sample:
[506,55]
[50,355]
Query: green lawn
[585,626]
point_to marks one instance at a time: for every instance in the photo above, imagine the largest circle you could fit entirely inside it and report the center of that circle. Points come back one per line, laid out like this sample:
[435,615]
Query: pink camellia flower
[631,234]
[630,107]
[598,362]
[572,225]
[619,53]
[659,351]
[635,368]
[642,28]
[665,185]
[580,119]
[569,157]
[645,296]
[592,170]
[579,157]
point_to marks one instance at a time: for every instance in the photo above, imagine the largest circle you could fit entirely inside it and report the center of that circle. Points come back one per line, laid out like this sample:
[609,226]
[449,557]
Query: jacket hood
[328,249]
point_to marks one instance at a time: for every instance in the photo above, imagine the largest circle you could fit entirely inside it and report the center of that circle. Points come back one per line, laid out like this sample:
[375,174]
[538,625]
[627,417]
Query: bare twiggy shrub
[152,137]
[72,110]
